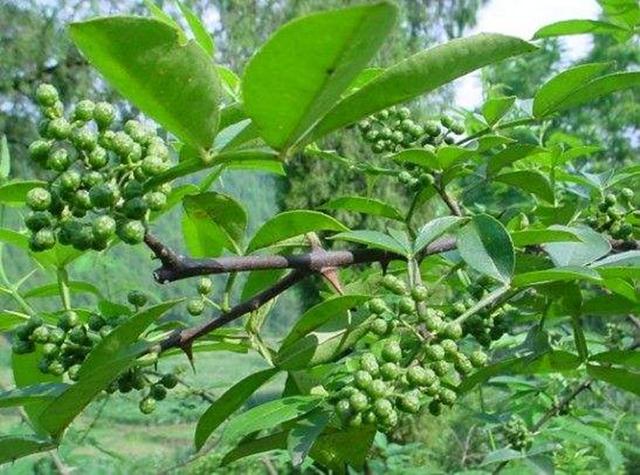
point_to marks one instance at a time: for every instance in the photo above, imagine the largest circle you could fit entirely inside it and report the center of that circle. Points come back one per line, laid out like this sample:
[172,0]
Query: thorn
[187,349]
[331,275]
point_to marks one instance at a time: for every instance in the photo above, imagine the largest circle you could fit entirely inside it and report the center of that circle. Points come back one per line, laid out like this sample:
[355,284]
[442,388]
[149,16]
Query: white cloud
[523,18]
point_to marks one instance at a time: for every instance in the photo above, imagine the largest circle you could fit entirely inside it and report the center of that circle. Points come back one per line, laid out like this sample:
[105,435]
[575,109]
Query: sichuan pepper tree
[430,311]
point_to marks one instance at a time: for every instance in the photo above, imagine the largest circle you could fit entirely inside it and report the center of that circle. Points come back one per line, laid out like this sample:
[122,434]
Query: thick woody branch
[175,267]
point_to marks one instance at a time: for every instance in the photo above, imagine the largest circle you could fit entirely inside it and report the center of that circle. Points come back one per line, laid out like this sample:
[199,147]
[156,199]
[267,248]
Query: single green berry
[104,114]
[404,177]
[391,351]
[447,396]
[395,285]
[84,139]
[453,330]
[463,364]
[169,380]
[98,158]
[377,306]
[147,405]
[158,148]
[137,298]
[403,113]
[96,322]
[155,200]
[407,305]
[457,128]
[83,238]
[70,181]
[410,403]
[205,286]
[450,347]
[59,129]
[382,407]
[58,161]
[46,95]
[38,220]
[103,227]
[362,379]
[40,335]
[133,189]
[158,392]
[435,408]
[478,358]
[56,335]
[343,409]
[54,111]
[610,199]
[390,371]
[379,326]
[21,347]
[153,165]
[84,110]
[434,352]
[195,307]
[369,363]
[39,150]
[418,376]
[131,232]
[135,208]
[358,402]
[38,199]
[50,350]
[42,240]
[441,368]
[56,368]
[419,293]
[377,389]
[104,195]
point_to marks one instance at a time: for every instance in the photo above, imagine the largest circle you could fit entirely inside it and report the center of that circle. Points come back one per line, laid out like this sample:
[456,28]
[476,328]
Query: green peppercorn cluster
[517,433]
[99,185]
[393,130]
[410,359]
[616,215]
[152,386]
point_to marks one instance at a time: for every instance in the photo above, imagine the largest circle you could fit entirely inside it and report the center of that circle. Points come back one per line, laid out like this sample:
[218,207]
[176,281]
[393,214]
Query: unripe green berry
[610,199]
[449,346]
[435,352]
[441,368]
[147,405]
[389,371]
[195,307]
[59,129]
[343,409]
[158,392]
[133,189]
[39,150]
[54,111]
[453,330]
[391,351]
[84,110]
[42,240]
[379,326]
[50,350]
[409,403]
[447,396]
[38,220]
[418,376]
[358,402]
[84,139]
[369,363]
[40,334]
[103,227]
[70,181]
[137,298]
[377,306]
[135,208]
[153,165]
[169,381]
[382,407]
[104,114]
[419,293]
[478,358]
[205,286]
[98,158]
[56,335]
[377,389]
[56,368]
[104,195]
[58,161]
[46,95]
[83,238]
[403,113]
[627,193]
[407,305]
[38,199]
[362,379]
[21,347]
[155,200]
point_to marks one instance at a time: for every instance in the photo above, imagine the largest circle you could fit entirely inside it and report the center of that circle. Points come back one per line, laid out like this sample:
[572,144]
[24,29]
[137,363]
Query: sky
[522,18]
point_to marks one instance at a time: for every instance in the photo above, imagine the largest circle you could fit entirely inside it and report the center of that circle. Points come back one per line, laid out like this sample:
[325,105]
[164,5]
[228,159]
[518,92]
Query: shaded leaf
[592,247]
[364,205]
[531,181]
[374,239]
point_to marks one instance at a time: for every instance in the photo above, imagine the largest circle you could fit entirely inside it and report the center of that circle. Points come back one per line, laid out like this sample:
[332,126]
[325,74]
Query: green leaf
[623,12]
[109,358]
[530,237]
[417,156]
[256,446]
[618,377]
[580,27]
[290,224]
[5,159]
[630,358]
[557,274]
[501,455]
[592,247]
[30,394]
[146,60]
[51,290]
[419,74]
[344,447]
[364,205]
[57,257]
[228,403]
[374,239]
[531,181]
[217,221]
[433,230]
[269,415]
[10,319]
[199,31]
[318,315]
[15,192]
[304,434]
[496,107]
[510,155]
[15,447]
[25,374]
[485,245]
[14,238]
[304,68]
[623,259]
[160,14]
[599,88]
[259,280]
[551,95]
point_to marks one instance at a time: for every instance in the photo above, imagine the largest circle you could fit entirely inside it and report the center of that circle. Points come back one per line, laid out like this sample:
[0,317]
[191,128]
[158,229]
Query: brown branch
[453,205]
[184,338]
[176,267]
